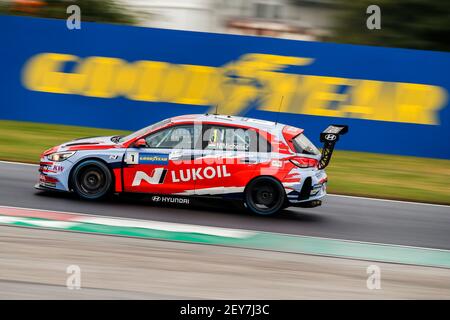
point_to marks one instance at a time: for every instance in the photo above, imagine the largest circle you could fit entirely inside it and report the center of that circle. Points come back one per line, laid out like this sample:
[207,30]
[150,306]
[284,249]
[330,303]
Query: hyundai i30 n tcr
[267,166]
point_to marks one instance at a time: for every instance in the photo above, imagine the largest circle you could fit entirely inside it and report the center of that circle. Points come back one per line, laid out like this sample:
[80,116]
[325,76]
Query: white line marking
[240,230]
[39,223]
[169,226]
[19,163]
[329,194]
[147,224]
[388,200]
[9,219]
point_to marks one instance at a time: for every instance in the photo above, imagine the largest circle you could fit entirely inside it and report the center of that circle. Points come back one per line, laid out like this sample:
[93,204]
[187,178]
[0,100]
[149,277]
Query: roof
[256,123]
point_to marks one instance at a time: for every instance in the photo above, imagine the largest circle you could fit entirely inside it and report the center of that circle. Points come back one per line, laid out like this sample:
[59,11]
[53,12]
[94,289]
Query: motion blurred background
[140,62]
[417,24]
[409,94]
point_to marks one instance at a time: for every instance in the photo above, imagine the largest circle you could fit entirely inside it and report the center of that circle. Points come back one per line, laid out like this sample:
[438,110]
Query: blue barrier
[108,76]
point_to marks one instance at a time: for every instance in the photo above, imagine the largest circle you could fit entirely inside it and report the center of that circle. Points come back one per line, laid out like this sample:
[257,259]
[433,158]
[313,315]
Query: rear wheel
[264,196]
[92,180]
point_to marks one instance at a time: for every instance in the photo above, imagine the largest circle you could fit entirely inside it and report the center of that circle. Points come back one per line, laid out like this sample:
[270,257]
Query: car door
[164,165]
[229,160]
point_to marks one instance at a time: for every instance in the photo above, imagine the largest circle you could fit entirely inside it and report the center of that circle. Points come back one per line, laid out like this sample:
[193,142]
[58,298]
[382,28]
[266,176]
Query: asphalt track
[33,264]
[349,218]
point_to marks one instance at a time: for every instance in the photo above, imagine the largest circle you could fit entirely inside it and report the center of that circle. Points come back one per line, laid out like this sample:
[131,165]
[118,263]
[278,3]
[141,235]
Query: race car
[264,165]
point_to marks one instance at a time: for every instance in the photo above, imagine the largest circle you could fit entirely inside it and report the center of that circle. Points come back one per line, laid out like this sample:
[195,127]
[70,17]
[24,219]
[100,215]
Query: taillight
[304,162]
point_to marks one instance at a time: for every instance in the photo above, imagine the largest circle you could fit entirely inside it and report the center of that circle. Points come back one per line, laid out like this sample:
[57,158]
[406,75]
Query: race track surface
[34,262]
[339,217]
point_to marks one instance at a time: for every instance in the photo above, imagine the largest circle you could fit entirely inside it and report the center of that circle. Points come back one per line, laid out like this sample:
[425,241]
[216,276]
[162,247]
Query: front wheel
[92,180]
[264,196]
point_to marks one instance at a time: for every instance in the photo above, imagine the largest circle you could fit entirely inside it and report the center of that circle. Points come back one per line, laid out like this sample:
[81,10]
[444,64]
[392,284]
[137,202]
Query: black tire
[92,180]
[264,196]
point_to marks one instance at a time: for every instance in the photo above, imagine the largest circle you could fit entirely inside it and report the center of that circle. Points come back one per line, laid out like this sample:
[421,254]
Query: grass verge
[351,173]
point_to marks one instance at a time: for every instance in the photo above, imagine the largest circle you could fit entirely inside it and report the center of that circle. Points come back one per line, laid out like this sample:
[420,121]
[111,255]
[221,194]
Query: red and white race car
[267,166]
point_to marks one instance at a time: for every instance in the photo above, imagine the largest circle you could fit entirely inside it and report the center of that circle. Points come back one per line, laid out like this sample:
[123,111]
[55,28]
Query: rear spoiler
[329,137]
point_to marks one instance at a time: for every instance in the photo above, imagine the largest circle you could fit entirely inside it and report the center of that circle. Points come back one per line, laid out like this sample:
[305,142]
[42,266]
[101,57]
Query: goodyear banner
[394,100]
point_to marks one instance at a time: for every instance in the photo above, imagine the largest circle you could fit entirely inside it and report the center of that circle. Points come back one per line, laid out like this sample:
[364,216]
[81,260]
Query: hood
[90,143]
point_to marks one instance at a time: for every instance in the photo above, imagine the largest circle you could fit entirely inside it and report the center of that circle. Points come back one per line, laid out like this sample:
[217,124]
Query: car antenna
[279,108]
[217,106]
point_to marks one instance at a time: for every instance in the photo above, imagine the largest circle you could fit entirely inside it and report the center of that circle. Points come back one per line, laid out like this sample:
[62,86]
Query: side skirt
[184,200]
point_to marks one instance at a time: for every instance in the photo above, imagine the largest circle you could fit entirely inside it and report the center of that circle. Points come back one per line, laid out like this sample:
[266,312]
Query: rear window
[303,145]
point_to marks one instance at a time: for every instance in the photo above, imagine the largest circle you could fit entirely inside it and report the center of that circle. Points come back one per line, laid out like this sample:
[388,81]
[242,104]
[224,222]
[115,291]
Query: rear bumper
[308,204]
[310,188]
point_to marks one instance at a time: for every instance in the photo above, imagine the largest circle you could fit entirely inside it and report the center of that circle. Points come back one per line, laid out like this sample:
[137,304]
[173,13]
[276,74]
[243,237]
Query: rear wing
[329,137]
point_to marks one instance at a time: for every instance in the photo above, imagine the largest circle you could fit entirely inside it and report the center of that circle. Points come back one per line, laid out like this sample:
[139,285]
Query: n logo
[157,177]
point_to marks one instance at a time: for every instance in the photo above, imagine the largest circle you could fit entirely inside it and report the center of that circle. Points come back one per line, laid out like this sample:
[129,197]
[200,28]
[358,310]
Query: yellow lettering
[418,103]
[254,79]
[363,100]
[148,82]
[318,100]
[100,74]
[199,82]
[281,89]
[43,72]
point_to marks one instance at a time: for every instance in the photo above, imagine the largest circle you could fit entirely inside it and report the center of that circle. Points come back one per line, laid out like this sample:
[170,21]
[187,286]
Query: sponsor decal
[228,146]
[330,137]
[147,158]
[132,158]
[157,177]
[251,77]
[276,163]
[159,174]
[167,199]
[153,158]
[58,168]
[200,173]
[50,168]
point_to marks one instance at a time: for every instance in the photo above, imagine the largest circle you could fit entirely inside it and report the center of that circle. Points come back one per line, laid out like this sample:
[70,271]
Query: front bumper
[43,188]
[54,175]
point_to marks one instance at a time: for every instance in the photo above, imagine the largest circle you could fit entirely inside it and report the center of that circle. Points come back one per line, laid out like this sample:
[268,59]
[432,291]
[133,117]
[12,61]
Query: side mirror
[141,143]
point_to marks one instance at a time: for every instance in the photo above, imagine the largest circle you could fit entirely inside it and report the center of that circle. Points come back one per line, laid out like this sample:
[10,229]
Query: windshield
[303,145]
[143,130]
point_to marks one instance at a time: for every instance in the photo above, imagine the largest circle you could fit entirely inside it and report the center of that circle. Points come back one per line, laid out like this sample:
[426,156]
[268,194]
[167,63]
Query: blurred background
[396,99]
[417,24]
[108,78]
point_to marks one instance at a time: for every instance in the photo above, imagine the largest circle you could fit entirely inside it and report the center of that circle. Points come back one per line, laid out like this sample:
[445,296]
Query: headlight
[60,156]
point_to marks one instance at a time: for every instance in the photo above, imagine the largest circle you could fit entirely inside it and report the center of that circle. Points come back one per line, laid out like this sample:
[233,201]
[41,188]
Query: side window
[230,139]
[178,137]
[263,144]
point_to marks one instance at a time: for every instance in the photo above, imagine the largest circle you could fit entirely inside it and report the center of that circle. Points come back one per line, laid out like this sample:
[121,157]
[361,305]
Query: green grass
[390,177]
[352,173]
[25,141]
